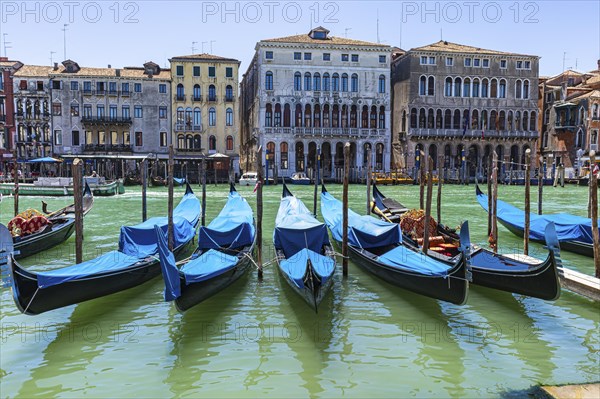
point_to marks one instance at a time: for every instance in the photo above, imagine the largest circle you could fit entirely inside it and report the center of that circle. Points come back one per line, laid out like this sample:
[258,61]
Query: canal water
[257,339]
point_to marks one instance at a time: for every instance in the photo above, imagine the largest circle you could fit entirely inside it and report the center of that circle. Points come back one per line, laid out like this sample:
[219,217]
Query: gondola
[517,274]
[223,255]
[377,247]
[60,227]
[305,256]
[158,181]
[134,263]
[132,180]
[574,232]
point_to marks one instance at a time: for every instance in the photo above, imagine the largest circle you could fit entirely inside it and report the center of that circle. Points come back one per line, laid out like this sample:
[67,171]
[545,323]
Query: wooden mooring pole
[78,197]
[259,211]
[170,200]
[316,182]
[369,182]
[421,180]
[439,192]
[426,231]
[144,187]
[541,177]
[494,232]
[345,211]
[203,177]
[527,202]
[594,211]
[16,181]
[489,193]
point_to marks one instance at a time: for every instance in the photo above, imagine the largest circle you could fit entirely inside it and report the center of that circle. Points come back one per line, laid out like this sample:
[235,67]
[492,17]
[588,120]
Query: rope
[31,300]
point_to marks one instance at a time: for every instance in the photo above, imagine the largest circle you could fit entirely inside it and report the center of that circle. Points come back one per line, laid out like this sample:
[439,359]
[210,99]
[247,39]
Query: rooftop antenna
[378,25]
[346,32]
[564,59]
[441,34]
[51,59]
[194,47]
[211,42]
[203,43]
[400,44]
[64,29]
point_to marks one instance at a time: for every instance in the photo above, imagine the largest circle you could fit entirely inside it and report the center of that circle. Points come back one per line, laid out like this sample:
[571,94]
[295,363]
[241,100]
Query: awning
[44,160]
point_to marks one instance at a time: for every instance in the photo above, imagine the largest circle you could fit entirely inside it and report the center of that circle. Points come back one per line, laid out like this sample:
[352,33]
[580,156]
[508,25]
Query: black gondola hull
[43,241]
[454,288]
[32,301]
[195,293]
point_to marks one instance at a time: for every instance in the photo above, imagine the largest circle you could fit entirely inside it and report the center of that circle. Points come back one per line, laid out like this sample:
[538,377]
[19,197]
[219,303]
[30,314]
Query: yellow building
[205,105]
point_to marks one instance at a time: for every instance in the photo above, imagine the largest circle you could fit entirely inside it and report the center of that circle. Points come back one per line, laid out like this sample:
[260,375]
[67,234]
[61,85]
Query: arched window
[413,118]
[381,117]
[335,82]
[307,116]
[354,83]
[277,115]
[532,121]
[335,116]
[457,87]
[197,92]
[229,117]
[502,89]
[379,156]
[422,119]
[518,88]
[269,80]
[229,143]
[476,87]
[475,119]
[456,121]
[381,83]
[510,121]
[180,116]
[297,81]
[547,116]
[189,141]
[212,93]
[326,118]
[439,119]
[467,87]
[518,121]
[269,115]
[484,120]
[298,116]
[180,141]
[188,117]
[212,117]
[326,80]
[228,93]
[494,88]
[197,142]
[431,86]
[448,119]
[212,143]
[197,117]
[317,116]
[448,87]
[525,121]
[430,119]
[286,115]
[307,81]
[180,92]
[595,113]
[283,155]
[353,116]
[422,86]
[526,89]
[317,81]
[502,119]
[484,88]
[345,82]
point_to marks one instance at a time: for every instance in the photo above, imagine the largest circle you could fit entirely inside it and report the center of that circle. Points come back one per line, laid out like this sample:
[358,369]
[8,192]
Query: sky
[129,33]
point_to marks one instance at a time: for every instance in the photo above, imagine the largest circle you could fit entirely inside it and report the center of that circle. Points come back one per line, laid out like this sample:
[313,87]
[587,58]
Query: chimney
[56,66]
[118,72]
[599,65]
[109,66]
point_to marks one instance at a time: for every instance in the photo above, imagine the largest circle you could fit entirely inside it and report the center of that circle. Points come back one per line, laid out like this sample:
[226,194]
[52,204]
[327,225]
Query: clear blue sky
[128,33]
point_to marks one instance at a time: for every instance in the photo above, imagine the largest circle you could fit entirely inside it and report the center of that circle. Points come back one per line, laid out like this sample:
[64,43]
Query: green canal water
[257,339]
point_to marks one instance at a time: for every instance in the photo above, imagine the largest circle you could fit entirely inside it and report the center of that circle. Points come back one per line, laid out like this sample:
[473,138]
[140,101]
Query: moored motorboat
[511,273]
[377,247]
[305,257]
[223,255]
[134,263]
[300,178]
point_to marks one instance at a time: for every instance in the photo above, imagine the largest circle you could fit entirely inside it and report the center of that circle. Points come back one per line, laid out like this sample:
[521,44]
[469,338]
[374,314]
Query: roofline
[205,60]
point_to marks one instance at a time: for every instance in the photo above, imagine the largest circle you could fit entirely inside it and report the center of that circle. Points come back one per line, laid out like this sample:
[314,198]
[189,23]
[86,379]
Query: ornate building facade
[205,106]
[457,102]
[108,111]
[7,111]
[313,92]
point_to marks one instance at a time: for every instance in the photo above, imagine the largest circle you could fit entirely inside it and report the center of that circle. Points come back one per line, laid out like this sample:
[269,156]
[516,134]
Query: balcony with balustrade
[327,132]
[106,148]
[449,134]
[105,120]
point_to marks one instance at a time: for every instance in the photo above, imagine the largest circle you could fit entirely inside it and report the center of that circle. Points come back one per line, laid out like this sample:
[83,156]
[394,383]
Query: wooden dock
[583,284]
[579,391]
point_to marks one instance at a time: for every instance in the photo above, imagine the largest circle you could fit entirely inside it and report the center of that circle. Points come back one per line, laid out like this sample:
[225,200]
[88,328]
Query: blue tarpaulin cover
[363,231]
[140,240]
[295,267]
[129,253]
[111,261]
[568,227]
[407,259]
[232,228]
[210,264]
[296,228]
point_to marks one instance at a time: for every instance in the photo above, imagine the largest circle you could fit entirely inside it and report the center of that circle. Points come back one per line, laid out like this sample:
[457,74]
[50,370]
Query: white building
[314,91]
